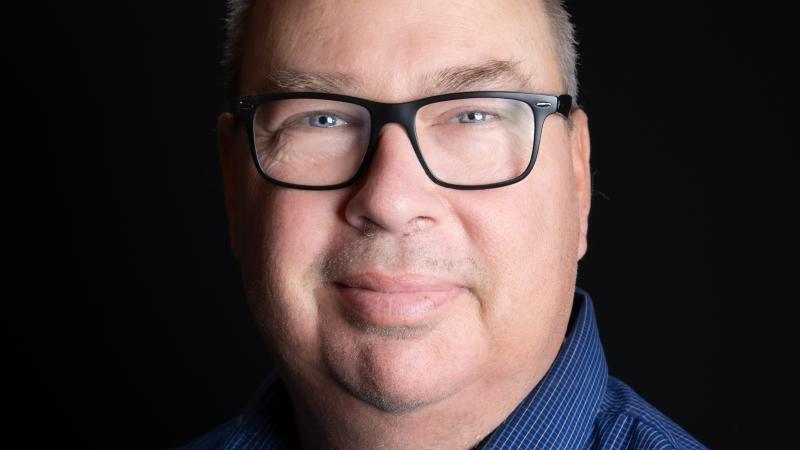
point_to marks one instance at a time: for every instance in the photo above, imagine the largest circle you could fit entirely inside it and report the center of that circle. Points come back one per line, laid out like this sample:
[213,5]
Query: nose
[396,195]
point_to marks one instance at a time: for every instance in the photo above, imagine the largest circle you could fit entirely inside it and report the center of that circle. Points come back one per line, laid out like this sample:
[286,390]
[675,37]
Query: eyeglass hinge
[543,104]
[244,104]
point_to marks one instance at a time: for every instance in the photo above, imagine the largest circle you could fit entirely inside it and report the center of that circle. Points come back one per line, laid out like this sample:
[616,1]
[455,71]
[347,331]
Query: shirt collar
[559,411]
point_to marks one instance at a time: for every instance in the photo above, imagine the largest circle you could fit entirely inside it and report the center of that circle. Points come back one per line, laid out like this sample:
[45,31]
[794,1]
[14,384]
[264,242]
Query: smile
[385,301]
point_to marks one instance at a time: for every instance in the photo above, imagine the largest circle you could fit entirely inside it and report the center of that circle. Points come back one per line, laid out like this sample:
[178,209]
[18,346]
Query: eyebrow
[492,73]
[287,80]
[502,73]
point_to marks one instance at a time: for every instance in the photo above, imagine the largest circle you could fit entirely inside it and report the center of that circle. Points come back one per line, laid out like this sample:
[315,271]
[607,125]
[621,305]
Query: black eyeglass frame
[542,105]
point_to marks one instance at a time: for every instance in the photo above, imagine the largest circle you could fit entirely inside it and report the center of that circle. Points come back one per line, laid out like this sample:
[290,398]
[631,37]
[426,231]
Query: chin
[393,397]
[403,375]
[396,403]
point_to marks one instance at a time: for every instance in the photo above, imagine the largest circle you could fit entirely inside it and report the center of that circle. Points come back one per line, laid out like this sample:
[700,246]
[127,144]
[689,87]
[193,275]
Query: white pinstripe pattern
[577,405]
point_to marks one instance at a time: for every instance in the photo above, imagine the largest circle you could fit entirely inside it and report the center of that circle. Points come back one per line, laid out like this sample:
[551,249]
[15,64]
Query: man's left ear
[580,143]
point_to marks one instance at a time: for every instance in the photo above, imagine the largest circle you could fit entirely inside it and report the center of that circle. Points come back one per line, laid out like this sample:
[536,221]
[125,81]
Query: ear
[583,177]
[226,145]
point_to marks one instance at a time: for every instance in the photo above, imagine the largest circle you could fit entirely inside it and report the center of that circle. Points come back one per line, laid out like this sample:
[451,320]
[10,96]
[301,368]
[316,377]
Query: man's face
[398,292]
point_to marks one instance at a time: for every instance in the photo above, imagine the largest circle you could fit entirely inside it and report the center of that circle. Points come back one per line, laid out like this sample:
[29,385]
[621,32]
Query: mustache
[393,255]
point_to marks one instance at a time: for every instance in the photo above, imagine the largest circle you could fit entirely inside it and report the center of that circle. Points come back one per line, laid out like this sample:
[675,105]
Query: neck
[337,420]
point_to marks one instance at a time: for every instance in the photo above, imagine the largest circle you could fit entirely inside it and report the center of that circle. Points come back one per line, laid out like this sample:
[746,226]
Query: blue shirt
[576,405]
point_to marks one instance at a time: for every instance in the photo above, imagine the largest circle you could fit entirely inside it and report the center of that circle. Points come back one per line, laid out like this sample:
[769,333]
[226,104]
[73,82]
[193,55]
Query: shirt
[576,405]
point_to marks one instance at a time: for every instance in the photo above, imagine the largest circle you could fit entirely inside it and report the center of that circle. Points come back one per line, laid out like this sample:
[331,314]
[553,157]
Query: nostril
[418,224]
[370,228]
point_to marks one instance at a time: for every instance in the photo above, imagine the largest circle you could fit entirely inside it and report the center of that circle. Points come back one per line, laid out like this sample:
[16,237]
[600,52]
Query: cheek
[283,233]
[527,234]
[549,216]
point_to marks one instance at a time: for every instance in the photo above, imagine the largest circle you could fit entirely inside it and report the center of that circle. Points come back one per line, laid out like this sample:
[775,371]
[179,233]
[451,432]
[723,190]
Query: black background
[124,321]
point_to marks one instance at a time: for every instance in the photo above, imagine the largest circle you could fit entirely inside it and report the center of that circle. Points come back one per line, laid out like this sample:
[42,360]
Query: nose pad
[392,137]
[399,117]
[394,144]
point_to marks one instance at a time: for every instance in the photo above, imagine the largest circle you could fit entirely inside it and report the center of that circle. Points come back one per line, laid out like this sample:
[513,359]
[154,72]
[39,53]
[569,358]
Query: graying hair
[562,29]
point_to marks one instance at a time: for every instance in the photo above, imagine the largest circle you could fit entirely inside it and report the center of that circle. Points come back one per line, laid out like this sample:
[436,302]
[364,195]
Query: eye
[474,117]
[324,120]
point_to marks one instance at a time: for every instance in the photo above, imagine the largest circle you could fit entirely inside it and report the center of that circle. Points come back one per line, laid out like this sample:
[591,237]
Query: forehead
[395,50]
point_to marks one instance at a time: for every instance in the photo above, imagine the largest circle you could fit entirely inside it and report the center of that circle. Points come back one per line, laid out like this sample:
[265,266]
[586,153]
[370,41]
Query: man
[408,190]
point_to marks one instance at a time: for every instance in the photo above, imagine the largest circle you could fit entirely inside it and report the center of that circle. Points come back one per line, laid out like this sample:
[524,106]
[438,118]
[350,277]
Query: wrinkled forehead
[396,50]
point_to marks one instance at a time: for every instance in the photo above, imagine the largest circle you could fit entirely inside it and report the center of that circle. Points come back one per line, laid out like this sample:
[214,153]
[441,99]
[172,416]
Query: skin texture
[447,378]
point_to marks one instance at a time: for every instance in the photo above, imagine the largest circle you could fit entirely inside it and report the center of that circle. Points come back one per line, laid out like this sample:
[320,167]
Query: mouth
[382,300]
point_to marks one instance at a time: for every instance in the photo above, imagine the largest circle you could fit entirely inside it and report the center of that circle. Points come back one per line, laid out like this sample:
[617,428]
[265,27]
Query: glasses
[469,140]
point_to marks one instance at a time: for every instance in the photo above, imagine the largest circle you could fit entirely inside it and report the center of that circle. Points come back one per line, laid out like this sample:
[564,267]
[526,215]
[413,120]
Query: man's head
[397,295]
[561,31]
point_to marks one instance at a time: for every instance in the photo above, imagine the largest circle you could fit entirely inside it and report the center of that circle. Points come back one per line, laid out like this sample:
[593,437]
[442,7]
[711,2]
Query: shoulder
[265,423]
[214,439]
[626,420]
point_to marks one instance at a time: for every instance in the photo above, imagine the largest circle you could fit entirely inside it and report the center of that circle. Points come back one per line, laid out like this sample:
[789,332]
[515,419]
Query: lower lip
[406,307]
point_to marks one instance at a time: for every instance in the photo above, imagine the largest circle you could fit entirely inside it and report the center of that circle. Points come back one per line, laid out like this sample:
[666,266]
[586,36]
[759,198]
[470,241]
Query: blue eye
[473,117]
[325,121]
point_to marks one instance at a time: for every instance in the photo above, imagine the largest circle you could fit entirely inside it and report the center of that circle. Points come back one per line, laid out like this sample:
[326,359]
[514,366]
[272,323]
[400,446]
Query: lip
[385,300]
